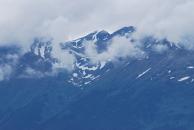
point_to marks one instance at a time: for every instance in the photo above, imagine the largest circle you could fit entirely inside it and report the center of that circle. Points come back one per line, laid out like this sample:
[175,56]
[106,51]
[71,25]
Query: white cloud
[170,19]
[7,63]
[21,21]
[5,72]
[31,73]
[160,48]
[66,59]
[119,47]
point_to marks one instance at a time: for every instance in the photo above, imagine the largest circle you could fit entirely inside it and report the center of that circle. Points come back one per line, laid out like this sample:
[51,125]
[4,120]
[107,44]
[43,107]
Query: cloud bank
[119,47]
[21,21]
[7,63]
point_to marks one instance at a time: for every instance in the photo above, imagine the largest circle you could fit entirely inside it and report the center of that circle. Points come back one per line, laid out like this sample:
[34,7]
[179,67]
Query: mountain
[151,91]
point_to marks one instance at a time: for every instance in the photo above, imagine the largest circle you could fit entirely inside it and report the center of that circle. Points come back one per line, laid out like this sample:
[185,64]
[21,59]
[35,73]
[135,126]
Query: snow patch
[184,78]
[140,75]
[75,74]
[190,67]
[102,64]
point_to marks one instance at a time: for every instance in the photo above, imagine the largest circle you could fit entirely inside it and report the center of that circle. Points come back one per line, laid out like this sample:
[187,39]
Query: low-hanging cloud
[119,47]
[21,21]
[160,48]
[7,63]
[5,72]
[172,20]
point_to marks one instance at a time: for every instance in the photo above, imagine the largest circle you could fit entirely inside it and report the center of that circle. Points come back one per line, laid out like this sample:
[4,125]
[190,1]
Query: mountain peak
[124,30]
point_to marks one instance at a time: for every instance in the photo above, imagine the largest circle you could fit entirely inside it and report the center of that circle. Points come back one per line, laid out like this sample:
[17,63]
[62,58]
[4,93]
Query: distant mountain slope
[151,92]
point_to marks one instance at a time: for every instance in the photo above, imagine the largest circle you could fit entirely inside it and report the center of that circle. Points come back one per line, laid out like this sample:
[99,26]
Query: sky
[23,20]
